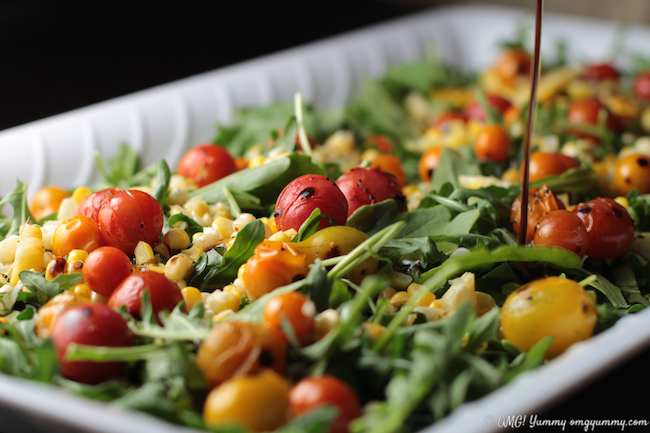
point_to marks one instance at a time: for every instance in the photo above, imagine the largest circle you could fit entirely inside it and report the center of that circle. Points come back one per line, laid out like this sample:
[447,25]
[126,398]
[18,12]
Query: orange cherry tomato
[492,144]
[273,264]
[429,162]
[76,233]
[392,165]
[47,200]
[105,268]
[295,308]
[561,228]
[313,392]
[513,63]
[632,171]
[545,164]
[206,163]
[540,202]
[587,112]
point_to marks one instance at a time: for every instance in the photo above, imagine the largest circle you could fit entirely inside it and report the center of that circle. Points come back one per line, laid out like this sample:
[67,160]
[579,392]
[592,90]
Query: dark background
[59,55]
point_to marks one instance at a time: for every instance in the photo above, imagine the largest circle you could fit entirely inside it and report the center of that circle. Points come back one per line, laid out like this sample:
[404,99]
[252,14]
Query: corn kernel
[47,258]
[177,197]
[81,193]
[81,290]
[8,247]
[28,231]
[224,226]
[162,250]
[410,319]
[177,239]
[29,252]
[237,291]
[387,293]
[374,330]
[221,300]
[54,268]
[238,284]
[198,205]
[256,161]
[96,297]
[156,267]
[280,237]
[221,210]
[426,299]
[208,239]
[194,252]
[399,280]
[191,295]
[143,253]
[67,209]
[511,175]
[79,255]
[216,318]
[178,267]
[240,271]
[325,321]
[178,181]
[399,299]
[436,304]
[241,221]
[432,314]
[622,201]
[74,267]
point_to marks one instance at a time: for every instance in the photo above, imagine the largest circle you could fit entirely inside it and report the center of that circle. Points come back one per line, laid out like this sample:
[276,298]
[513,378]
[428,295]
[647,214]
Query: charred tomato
[363,186]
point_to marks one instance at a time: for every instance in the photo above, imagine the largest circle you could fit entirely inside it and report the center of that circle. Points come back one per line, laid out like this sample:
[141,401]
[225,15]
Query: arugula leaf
[17,198]
[122,166]
[422,249]
[44,289]
[191,226]
[450,167]
[161,188]
[309,226]
[531,359]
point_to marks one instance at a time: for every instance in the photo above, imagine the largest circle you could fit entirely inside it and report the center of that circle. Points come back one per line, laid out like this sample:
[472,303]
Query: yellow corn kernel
[29,255]
[387,293]
[74,267]
[292,233]
[55,267]
[8,247]
[237,291]
[426,299]
[409,320]
[178,181]
[374,330]
[238,284]
[325,321]
[622,201]
[240,271]
[162,250]
[198,205]
[280,236]
[221,300]
[143,253]
[96,297]
[194,252]
[511,175]
[177,197]
[178,267]
[28,231]
[221,210]
[207,239]
[222,315]
[413,288]
[47,258]
[256,161]
[81,193]
[79,255]
[191,295]
[399,299]
[436,304]
[223,225]
[410,189]
[241,221]
[177,239]
[156,267]
[432,314]
[81,290]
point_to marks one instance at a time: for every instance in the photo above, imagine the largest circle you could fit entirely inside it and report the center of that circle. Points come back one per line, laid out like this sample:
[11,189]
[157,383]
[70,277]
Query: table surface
[75,53]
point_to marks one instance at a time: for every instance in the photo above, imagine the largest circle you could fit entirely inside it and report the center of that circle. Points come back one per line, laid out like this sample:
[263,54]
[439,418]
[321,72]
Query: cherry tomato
[513,63]
[601,72]
[641,86]
[239,348]
[392,165]
[90,205]
[362,186]
[545,164]
[609,226]
[632,171]
[47,200]
[91,324]
[54,308]
[562,228]
[442,121]
[492,144]
[304,194]
[273,264]
[76,233]
[163,293]
[206,163]
[429,162]
[317,391]
[297,309]
[475,110]
[550,306]
[258,402]
[128,217]
[540,202]
[587,112]
[105,268]
[380,142]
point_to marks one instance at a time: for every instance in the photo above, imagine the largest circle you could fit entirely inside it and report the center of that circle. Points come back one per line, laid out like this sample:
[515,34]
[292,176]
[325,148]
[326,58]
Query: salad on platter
[355,270]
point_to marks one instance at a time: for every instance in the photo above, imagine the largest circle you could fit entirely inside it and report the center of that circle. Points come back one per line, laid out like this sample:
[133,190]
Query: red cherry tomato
[318,391]
[78,232]
[105,268]
[492,144]
[641,86]
[163,293]
[128,217]
[206,163]
[601,72]
[545,164]
[304,194]
[562,228]
[540,202]
[445,117]
[587,112]
[91,324]
[609,226]
[363,186]
[475,110]
[90,205]
[294,307]
[380,142]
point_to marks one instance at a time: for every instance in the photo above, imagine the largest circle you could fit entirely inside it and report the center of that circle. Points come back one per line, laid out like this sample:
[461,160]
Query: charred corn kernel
[622,201]
[143,253]
[223,225]
[399,280]
[426,299]
[373,330]
[511,175]
[387,293]
[29,252]
[8,247]
[241,221]
[79,255]
[194,252]
[221,300]
[162,250]
[74,267]
[191,295]
[431,314]
[216,318]
[156,267]
[209,238]
[325,321]
[177,239]
[55,267]
[256,161]
[178,267]
[280,236]
[198,205]
[399,299]
[81,193]
[81,290]
[177,197]
[292,233]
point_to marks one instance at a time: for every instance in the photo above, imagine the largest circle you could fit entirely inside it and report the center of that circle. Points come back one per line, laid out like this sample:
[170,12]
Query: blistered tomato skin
[564,229]
[128,217]
[298,200]
[90,205]
[609,226]
[206,163]
[550,306]
[78,232]
[540,202]
[91,324]
[163,293]
[317,391]
[390,164]
[105,268]
[545,164]
[632,171]
[364,186]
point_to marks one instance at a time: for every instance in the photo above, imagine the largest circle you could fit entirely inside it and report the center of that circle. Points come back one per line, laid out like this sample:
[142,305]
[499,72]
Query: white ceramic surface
[166,120]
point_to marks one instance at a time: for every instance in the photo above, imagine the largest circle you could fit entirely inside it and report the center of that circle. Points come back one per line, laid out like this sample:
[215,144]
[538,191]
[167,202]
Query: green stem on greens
[588,280]
[302,134]
[232,203]
[82,352]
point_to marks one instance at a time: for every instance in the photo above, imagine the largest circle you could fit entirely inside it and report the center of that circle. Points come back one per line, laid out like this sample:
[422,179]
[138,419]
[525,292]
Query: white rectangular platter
[166,120]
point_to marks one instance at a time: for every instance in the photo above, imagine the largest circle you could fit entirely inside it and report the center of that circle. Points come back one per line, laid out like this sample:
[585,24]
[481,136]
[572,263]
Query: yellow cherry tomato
[47,200]
[259,402]
[549,306]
